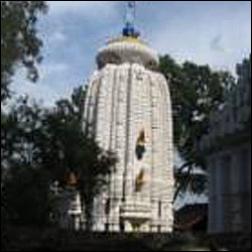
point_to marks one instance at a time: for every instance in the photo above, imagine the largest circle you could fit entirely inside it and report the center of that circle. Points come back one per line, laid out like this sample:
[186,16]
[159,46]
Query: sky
[215,33]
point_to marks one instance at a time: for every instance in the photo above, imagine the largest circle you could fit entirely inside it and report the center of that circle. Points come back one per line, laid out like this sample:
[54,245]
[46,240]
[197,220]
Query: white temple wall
[123,100]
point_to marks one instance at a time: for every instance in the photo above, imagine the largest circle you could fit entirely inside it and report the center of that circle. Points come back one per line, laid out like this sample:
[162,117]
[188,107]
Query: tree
[20,44]
[93,179]
[43,145]
[20,130]
[26,184]
[195,91]
[27,196]
[68,149]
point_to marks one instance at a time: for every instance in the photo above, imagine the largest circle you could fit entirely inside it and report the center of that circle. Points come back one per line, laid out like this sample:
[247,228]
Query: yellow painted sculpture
[140,180]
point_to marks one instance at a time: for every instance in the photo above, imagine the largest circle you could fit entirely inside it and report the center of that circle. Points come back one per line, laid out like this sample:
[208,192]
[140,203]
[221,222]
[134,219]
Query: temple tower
[128,109]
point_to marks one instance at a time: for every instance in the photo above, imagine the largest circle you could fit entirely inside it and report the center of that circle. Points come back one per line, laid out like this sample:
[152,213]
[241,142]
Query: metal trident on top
[129,29]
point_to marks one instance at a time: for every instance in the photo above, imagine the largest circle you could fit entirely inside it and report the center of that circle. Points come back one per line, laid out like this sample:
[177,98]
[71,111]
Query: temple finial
[129,29]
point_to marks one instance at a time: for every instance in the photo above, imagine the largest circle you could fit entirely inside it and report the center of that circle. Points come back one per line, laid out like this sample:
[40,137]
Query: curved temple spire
[129,29]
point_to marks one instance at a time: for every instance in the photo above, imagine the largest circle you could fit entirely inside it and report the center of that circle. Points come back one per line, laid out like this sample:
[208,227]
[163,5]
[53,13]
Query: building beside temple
[228,151]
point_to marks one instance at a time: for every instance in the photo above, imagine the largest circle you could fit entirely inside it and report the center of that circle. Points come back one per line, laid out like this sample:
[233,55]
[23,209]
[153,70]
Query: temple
[128,111]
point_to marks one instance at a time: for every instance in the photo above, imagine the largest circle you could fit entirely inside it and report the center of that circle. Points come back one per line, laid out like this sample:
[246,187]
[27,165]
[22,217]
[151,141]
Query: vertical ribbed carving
[123,101]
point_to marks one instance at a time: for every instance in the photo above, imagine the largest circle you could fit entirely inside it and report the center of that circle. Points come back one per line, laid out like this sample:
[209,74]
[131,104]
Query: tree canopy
[20,44]
[41,146]
[196,90]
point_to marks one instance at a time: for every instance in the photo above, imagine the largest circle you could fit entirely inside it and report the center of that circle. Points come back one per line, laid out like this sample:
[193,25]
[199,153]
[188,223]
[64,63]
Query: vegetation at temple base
[38,145]
[20,47]
[196,90]
[24,185]
[68,148]
[43,145]
[20,44]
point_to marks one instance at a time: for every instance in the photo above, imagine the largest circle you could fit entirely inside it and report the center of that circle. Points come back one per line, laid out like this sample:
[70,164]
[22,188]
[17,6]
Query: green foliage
[67,148]
[27,196]
[40,146]
[25,186]
[195,91]
[20,44]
